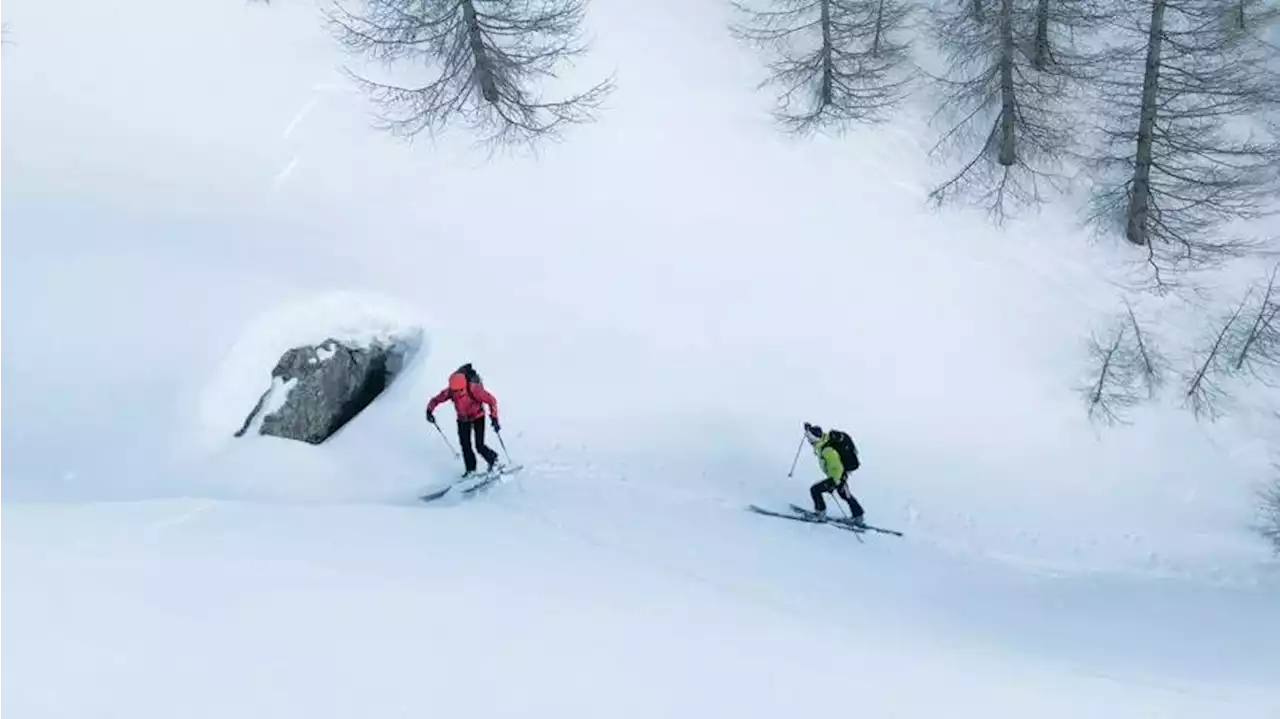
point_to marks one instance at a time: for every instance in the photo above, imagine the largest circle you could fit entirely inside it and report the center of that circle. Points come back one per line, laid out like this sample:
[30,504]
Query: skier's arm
[486,397]
[438,400]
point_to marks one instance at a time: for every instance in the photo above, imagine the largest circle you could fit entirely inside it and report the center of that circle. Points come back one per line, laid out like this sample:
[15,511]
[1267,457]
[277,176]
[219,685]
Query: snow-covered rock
[315,390]
[333,354]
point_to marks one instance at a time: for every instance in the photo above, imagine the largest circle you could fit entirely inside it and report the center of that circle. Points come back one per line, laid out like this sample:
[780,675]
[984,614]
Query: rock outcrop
[316,389]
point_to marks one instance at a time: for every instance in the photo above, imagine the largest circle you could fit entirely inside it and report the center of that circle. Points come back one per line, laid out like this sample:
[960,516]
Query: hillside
[659,302]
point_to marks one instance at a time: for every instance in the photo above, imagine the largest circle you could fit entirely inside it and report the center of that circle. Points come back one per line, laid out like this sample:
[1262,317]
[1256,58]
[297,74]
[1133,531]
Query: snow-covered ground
[659,303]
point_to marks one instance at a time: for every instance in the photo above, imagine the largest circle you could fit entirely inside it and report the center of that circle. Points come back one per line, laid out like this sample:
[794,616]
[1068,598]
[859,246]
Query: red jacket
[467,403]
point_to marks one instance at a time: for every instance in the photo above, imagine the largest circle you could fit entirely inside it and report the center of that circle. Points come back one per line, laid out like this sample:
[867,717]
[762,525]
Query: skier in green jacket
[837,474]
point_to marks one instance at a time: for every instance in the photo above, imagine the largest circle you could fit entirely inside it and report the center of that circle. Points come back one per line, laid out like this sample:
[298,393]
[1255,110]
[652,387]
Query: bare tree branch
[1204,393]
[1129,369]
[1250,18]
[487,58]
[1256,343]
[834,62]
[1269,512]
[1185,155]
[1243,345]
[1061,29]
[1111,392]
[1006,117]
[976,12]
[1150,363]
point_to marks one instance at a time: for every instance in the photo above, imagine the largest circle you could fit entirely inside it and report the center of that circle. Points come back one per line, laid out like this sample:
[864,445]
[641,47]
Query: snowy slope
[656,307]
[498,609]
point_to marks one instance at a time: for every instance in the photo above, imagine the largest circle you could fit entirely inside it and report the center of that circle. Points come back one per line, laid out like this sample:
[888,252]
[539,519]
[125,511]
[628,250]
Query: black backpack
[473,377]
[843,445]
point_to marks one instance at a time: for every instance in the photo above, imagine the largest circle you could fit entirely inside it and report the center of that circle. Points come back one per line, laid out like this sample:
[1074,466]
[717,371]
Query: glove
[431,417]
[496,427]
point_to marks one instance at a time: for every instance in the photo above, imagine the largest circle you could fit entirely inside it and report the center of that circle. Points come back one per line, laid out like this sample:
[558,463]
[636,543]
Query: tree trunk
[977,10]
[1040,58]
[484,67]
[1008,144]
[828,69]
[1138,221]
[875,42]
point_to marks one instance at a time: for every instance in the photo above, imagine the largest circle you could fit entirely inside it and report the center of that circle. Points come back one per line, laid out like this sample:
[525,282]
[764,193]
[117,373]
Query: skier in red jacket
[469,399]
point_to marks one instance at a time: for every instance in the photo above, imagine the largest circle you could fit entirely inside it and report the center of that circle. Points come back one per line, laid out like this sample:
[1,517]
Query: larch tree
[1188,152]
[1061,30]
[1253,17]
[1004,117]
[1241,345]
[483,63]
[833,62]
[1126,368]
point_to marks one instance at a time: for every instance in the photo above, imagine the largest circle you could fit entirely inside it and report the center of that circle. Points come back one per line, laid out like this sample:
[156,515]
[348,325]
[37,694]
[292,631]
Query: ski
[800,514]
[784,515]
[433,496]
[486,479]
[845,522]
[807,517]
[491,478]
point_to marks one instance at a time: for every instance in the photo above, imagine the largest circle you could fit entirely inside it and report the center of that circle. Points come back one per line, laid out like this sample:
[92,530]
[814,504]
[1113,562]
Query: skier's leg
[816,492]
[489,455]
[464,439]
[855,509]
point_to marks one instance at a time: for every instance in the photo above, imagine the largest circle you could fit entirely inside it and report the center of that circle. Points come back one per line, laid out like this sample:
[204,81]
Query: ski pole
[445,439]
[835,499]
[797,457]
[504,446]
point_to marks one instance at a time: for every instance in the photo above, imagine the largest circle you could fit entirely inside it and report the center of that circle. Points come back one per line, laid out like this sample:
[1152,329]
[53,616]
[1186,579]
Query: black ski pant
[467,428]
[841,488]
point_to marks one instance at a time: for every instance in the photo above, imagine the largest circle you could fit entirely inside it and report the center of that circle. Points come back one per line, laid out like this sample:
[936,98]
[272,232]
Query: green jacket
[829,459]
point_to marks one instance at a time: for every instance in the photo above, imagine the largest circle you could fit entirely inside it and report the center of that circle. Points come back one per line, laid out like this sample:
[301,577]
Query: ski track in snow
[265,577]
[301,114]
[283,175]
[841,600]
[632,524]
[563,555]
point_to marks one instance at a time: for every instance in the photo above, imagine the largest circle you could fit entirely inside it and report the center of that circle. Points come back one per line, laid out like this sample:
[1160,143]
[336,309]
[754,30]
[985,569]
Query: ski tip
[433,496]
